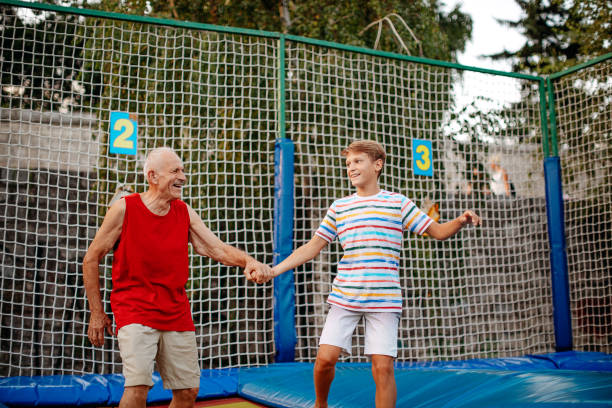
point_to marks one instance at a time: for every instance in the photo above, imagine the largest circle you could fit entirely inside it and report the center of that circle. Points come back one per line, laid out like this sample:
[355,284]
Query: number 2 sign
[422,164]
[123,134]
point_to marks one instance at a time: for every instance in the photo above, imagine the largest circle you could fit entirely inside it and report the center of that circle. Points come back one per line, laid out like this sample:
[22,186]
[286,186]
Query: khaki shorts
[175,352]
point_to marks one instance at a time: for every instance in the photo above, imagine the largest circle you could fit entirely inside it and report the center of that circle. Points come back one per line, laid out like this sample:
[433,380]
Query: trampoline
[264,164]
[577,379]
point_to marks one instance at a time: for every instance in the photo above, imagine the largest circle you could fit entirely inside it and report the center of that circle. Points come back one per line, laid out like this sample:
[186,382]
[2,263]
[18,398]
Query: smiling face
[362,170]
[167,175]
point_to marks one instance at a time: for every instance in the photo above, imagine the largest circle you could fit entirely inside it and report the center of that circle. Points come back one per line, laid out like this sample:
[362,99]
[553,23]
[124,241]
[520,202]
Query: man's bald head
[156,158]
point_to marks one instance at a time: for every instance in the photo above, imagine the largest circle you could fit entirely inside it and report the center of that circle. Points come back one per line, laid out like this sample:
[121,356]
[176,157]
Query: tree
[40,62]
[560,34]
[442,35]
[213,97]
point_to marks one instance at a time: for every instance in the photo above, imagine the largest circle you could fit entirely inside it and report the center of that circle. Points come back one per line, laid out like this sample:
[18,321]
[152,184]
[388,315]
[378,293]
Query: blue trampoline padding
[574,360]
[577,375]
[291,385]
[102,389]
[567,360]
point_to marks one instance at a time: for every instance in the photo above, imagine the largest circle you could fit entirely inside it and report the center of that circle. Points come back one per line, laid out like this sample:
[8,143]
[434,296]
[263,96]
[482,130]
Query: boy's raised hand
[470,217]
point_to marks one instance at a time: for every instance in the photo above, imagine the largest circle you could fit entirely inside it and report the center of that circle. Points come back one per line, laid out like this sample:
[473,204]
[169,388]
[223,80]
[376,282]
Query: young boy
[369,225]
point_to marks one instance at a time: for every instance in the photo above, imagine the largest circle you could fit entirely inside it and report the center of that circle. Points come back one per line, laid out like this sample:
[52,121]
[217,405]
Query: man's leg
[134,397]
[386,390]
[177,360]
[184,398]
[324,371]
[138,346]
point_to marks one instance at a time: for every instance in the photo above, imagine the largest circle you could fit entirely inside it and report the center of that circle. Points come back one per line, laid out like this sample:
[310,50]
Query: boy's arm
[300,256]
[450,228]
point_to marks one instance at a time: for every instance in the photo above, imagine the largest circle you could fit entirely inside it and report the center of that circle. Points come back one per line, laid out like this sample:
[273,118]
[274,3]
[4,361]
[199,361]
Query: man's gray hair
[153,156]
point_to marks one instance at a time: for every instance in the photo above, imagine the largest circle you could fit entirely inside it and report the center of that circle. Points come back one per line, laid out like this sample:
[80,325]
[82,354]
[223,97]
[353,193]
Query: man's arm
[206,243]
[450,228]
[300,256]
[103,242]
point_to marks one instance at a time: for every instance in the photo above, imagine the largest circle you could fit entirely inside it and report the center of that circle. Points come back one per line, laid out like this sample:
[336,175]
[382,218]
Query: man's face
[171,176]
[361,169]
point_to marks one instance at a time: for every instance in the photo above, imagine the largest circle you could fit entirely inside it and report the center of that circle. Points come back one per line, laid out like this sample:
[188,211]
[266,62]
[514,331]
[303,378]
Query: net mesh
[214,98]
[484,293]
[584,121]
[210,96]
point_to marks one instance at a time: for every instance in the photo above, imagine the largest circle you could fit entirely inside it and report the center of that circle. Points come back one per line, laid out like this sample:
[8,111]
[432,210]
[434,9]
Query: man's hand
[469,217]
[98,322]
[257,272]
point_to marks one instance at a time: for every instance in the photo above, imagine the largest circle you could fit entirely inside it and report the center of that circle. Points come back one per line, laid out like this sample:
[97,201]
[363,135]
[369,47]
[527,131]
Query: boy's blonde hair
[373,149]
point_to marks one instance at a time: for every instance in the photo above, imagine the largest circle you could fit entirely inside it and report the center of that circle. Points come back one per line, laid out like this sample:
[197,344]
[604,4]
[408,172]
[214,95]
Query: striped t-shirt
[370,232]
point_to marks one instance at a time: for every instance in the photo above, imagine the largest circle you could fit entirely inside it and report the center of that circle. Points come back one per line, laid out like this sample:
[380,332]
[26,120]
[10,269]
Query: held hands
[469,217]
[98,322]
[257,272]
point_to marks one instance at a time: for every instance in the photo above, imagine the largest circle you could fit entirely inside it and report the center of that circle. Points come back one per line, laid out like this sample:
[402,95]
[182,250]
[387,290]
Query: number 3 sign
[123,136]
[422,164]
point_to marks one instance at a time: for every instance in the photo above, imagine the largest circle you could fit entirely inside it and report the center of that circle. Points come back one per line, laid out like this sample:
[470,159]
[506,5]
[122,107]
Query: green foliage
[40,59]
[442,35]
[560,34]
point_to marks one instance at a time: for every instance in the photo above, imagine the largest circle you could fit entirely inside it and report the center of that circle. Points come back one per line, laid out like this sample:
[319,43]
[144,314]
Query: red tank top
[151,268]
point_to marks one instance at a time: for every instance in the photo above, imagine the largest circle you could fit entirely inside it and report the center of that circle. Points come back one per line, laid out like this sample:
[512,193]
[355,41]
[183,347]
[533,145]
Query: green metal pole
[552,117]
[544,118]
[581,66]
[281,86]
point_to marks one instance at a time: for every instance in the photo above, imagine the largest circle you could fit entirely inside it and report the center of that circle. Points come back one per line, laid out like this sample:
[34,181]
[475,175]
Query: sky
[488,36]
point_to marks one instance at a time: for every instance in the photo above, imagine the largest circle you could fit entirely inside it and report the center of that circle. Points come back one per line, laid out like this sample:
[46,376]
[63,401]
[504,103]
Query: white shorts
[175,352]
[380,330]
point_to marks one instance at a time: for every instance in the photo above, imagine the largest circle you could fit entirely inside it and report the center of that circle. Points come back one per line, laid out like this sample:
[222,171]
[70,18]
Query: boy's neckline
[369,196]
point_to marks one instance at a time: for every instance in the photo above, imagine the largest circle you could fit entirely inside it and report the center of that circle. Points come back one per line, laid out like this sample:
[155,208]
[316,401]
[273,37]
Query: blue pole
[562,317]
[284,286]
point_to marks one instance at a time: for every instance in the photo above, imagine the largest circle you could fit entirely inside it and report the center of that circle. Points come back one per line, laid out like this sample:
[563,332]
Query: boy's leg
[381,345]
[386,390]
[324,371]
[335,338]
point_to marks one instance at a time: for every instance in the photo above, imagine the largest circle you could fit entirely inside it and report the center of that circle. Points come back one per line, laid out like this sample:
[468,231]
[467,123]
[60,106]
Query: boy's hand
[259,273]
[469,217]
[265,276]
[254,271]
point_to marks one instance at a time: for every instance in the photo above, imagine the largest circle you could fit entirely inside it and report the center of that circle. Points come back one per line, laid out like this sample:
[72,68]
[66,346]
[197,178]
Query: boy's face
[361,170]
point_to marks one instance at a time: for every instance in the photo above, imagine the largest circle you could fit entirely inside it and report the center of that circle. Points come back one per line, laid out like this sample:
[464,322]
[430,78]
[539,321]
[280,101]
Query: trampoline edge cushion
[101,389]
[265,384]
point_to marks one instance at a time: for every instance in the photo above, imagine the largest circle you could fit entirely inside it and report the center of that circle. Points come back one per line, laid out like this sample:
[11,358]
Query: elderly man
[150,270]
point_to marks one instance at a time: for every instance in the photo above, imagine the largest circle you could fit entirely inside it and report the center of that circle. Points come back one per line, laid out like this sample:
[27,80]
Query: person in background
[500,182]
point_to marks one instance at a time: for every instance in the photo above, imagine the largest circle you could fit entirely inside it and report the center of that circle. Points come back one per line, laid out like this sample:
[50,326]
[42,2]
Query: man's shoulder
[182,207]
